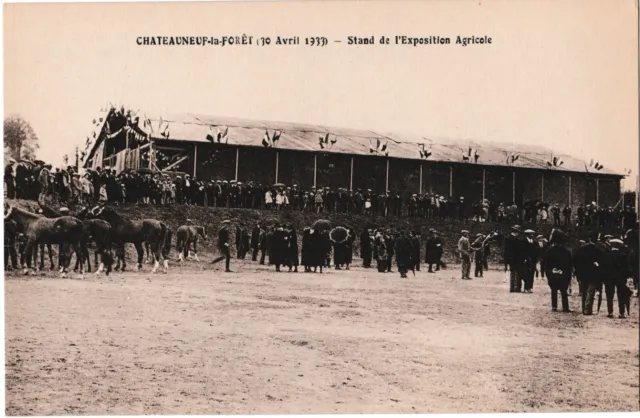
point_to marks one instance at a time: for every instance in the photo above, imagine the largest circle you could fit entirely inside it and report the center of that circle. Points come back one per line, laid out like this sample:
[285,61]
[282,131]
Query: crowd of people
[128,187]
[601,263]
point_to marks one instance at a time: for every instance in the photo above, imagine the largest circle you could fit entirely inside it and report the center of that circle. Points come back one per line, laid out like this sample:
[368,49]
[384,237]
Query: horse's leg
[180,248]
[35,256]
[140,251]
[148,255]
[29,254]
[52,265]
[86,257]
[155,248]
[195,249]
[62,256]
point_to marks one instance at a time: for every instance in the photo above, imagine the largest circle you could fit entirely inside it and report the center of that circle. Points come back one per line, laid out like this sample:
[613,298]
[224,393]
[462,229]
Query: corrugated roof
[297,136]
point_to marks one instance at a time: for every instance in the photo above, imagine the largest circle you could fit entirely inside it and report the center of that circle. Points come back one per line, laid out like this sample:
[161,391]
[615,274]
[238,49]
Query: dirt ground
[198,341]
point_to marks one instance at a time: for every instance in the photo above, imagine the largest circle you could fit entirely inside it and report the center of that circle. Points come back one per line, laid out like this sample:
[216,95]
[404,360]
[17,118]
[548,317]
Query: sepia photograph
[345,207]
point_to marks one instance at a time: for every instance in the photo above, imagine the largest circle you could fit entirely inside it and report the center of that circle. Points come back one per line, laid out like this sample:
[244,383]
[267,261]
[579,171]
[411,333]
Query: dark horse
[185,236]
[124,230]
[95,230]
[65,231]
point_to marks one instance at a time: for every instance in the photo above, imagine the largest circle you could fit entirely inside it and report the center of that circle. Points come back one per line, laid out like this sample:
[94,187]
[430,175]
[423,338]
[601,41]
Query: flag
[323,140]
[373,149]
[275,138]
[266,140]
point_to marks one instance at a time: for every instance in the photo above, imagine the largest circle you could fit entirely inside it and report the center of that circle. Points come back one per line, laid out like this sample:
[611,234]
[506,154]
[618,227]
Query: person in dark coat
[263,240]
[414,236]
[478,253]
[390,241]
[223,245]
[433,251]
[292,257]
[531,252]
[278,247]
[557,264]
[306,256]
[380,249]
[349,250]
[255,242]
[320,245]
[246,244]
[404,254]
[588,261]
[240,250]
[513,249]
[616,279]
[365,248]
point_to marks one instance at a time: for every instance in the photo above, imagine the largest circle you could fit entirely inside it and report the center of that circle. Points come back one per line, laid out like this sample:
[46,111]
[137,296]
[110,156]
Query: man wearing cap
[588,262]
[478,248]
[464,249]
[557,265]
[513,249]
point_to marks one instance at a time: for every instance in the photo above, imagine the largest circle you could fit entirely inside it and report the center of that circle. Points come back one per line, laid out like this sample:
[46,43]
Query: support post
[451,181]
[598,193]
[238,162]
[569,190]
[351,177]
[513,184]
[277,163]
[315,169]
[542,188]
[483,182]
[420,179]
[195,159]
[387,182]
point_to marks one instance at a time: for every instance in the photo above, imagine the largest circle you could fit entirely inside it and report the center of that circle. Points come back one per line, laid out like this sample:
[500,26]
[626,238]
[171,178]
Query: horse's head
[201,231]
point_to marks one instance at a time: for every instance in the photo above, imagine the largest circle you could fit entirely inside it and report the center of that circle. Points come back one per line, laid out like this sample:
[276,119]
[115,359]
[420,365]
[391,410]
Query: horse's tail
[180,241]
[167,236]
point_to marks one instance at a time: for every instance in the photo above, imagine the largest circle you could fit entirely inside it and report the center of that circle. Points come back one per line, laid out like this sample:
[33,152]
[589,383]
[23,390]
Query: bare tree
[19,138]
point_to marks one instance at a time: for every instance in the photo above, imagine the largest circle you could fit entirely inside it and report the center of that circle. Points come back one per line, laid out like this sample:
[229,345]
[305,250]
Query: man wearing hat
[616,279]
[530,260]
[557,265]
[223,245]
[513,250]
[464,249]
[365,247]
[478,248]
[433,250]
[588,262]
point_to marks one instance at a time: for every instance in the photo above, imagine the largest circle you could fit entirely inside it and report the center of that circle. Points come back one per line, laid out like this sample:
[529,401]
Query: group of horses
[101,224]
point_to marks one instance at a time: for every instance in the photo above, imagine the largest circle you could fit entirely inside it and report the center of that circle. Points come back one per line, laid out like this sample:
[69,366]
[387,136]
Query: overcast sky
[563,74]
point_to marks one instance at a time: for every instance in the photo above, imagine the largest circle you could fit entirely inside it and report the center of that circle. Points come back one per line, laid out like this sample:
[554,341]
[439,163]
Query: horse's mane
[48,211]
